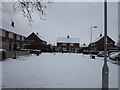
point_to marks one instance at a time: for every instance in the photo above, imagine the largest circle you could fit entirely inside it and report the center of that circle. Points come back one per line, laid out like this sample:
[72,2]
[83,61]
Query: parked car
[35,51]
[101,54]
[112,53]
[115,56]
[1,50]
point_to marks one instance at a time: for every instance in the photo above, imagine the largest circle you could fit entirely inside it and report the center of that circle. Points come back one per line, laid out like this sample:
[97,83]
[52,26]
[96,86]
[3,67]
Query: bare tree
[27,7]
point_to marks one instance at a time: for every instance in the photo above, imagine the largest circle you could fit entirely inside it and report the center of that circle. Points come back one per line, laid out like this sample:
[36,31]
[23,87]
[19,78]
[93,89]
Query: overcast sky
[67,18]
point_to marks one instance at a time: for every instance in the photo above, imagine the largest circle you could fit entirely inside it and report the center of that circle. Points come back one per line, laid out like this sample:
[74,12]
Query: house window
[76,48]
[18,46]
[64,44]
[71,44]
[93,44]
[2,33]
[22,38]
[64,48]
[10,35]
[111,43]
[32,40]
[18,37]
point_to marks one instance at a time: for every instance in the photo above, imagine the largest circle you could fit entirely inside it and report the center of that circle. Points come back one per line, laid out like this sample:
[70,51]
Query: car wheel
[116,59]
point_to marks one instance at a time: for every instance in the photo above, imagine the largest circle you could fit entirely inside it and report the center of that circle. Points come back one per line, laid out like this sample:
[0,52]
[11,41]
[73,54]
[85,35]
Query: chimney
[68,36]
[37,33]
[12,24]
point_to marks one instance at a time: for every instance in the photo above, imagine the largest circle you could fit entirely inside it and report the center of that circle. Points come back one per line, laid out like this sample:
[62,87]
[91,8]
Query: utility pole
[91,44]
[105,69]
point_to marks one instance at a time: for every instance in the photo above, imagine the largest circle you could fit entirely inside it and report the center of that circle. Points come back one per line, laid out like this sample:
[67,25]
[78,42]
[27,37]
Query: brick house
[98,44]
[10,39]
[83,47]
[35,41]
[68,44]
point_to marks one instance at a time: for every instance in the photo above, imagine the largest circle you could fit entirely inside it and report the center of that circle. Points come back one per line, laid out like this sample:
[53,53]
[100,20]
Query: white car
[115,56]
[1,50]
[101,54]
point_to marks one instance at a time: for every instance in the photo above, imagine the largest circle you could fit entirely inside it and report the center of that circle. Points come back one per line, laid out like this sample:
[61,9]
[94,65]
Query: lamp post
[105,69]
[91,40]
[70,47]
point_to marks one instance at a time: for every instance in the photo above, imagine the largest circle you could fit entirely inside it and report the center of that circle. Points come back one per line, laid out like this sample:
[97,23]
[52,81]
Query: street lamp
[70,46]
[91,40]
[105,69]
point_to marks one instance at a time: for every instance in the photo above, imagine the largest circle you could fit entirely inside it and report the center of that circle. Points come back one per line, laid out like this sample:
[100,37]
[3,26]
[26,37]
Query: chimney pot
[100,35]
[12,24]
[68,37]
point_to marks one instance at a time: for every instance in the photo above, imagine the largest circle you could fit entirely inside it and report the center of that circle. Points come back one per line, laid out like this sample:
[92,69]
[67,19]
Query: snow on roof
[67,40]
[39,36]
[6,26]
[97,39]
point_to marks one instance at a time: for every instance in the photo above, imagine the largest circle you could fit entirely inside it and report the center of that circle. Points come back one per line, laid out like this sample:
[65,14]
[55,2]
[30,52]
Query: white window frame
[64,44]
[111,44]
[23,39]
[3,33]
[64,48]
[11,35]
[71,44]
[76,48]
[18,37]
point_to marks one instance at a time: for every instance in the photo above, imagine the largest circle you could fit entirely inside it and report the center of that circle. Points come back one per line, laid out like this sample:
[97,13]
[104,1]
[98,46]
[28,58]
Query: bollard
[40,52]
[3,55]
[14,56]
[37,54]
[93,57]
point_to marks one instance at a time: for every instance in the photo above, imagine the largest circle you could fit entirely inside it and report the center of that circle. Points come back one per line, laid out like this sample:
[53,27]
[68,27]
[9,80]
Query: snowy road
[56,71]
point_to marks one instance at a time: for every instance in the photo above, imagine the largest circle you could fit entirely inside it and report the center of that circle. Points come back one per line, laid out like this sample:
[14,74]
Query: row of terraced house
[16,43]
[11,39]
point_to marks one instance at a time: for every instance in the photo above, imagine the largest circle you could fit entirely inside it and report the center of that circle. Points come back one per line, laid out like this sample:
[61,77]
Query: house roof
[9,28]
[99,38]
[67,40]
[40,37]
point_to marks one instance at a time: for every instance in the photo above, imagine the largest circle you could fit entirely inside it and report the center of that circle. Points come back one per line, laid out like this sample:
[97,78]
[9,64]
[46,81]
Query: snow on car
[102,54]
[1,50]
[115,56]
[2,54]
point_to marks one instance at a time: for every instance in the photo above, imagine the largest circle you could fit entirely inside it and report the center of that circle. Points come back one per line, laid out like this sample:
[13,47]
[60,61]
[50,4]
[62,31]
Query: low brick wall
[12,54]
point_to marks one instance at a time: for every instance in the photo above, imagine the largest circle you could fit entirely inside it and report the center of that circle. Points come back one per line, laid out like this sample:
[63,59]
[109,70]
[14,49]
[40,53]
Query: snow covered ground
[56,71]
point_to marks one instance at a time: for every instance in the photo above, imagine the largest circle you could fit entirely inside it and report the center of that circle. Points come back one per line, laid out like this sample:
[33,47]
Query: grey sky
[68,18]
